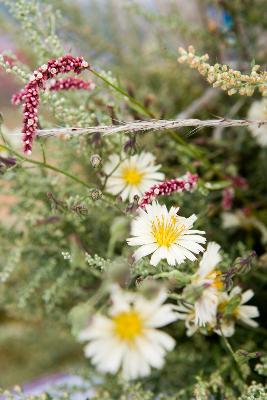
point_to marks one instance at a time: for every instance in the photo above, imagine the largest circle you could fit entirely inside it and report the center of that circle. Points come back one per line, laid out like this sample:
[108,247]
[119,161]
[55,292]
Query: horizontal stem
[152,125]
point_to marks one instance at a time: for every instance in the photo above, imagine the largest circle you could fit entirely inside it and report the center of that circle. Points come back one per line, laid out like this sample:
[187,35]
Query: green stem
[45,165]
[190,149]
[232,353]
[124,93]
[62,172]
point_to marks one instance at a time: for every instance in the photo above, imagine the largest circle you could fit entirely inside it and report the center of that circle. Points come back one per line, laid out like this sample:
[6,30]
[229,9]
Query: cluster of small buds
[95,194]
[185,183]
[71,83]
[95,160]
[59,84]
[30,94]
[66,255]
[239,182]
[224,77]
[228,195]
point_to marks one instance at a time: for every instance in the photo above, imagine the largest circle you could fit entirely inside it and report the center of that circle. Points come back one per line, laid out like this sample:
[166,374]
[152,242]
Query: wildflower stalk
[152,126]
[60,171]
[118,89]
[45,165]
[232,353]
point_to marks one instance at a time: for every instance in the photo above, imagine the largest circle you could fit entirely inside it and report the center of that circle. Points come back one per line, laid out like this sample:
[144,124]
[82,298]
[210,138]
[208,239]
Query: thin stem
[232,353]
[43,152]
[124,93]
[45,165]
[61,171]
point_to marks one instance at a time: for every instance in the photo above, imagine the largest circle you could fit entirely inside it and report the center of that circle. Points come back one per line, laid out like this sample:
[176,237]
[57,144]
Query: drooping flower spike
[185,183]
[38,80]
[59,84]
[165,235]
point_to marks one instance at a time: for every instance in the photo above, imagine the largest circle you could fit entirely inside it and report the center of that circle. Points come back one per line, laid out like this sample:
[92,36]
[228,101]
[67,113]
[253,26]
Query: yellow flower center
[166,232]
[128,325]
[218,282]
[223,305]
[132,176]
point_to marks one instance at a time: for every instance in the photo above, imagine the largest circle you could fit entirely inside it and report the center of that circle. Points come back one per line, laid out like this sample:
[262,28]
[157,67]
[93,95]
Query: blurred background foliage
[48,222]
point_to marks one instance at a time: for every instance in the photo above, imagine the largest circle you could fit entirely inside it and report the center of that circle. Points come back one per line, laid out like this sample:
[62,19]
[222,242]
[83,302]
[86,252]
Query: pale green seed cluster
[37,22]
[17,70]
[224,77]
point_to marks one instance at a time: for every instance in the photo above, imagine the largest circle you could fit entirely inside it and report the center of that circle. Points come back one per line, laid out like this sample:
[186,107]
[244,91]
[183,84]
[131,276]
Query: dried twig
[145,126]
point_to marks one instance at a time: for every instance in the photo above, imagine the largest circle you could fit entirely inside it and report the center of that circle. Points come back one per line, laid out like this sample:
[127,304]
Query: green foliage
[63,237]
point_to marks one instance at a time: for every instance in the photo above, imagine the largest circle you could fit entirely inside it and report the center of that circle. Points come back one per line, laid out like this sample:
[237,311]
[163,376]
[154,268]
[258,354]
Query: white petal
[164,315]
[247,312]
[151,352]
[134,364]
[98,328]
[162,338]
[211,258]
[158,255]
[145,250]
[246,296]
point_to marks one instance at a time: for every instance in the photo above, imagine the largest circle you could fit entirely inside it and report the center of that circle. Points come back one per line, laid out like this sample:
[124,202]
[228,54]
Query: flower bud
[95,194]
[95,160]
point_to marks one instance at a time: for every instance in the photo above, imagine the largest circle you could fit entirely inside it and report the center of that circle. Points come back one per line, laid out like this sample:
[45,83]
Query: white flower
[128,339]
[241,313]
[230,220]
[187,313]
[133,176]
[209,279]
[258,111]
[165,235]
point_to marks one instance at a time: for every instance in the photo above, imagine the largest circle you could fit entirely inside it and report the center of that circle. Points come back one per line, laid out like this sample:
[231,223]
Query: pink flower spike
[228,198]
[184,184]
[30,94]
[71,83]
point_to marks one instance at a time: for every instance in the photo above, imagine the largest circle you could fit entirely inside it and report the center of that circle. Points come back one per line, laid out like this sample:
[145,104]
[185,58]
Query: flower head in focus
[132,176]
[165,235]
[258,111]
[129,338]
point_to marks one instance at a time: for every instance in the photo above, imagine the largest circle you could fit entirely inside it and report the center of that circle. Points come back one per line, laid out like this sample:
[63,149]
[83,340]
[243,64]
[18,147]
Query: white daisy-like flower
[133,176]
[129,338]
[258,111]
[242,312]
[165,235]
[208,278]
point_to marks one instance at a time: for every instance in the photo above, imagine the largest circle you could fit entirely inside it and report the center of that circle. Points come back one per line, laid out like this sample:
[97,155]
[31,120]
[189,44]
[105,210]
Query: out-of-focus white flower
[165,235]
[230,220]
[132,176]
[129,338]
[241,312]
[208,278]
[240,219]
[187,313]
[258,111]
